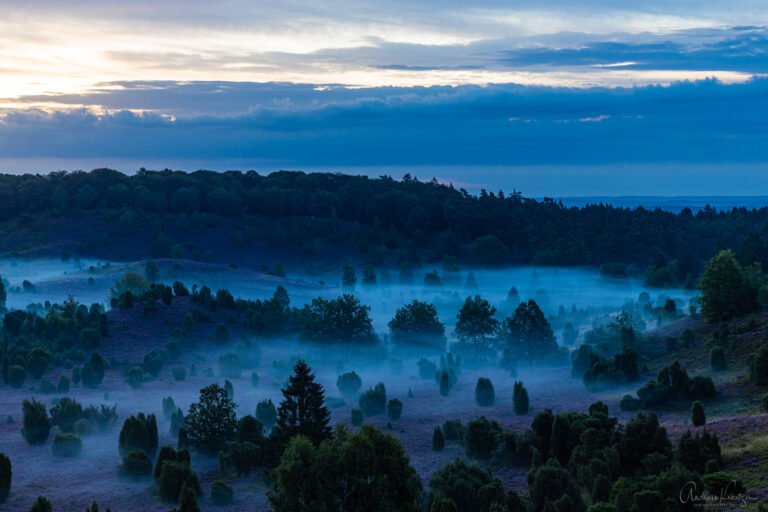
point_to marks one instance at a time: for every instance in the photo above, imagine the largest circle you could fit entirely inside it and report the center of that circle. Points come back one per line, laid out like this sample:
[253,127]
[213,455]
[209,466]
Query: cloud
[697,122]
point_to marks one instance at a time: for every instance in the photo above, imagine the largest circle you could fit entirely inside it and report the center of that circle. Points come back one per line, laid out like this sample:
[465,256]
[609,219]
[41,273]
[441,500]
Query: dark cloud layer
[299,125]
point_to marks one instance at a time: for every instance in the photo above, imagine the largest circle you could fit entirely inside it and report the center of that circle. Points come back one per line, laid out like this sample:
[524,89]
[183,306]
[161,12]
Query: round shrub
[37,424]
[67,445]
[37,362]
[135,376]
[173,476]
[520,399]
[66,413]
[485,395]
[16,376]
[717,359]
[179,373]
[153,363]
[230,366]
[357,417]
[136,464]
[93,371]
[221,493]
[438,440]
[394,409]
[45,387]
[630,403]
[482,437]
[63,386]
[139,433]
[6,474]
[701,387]
[349,383]
[167,453]
[90,338]
[374,401]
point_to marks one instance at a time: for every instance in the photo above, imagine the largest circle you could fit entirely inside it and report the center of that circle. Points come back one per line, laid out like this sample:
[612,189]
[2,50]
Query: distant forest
[382,221]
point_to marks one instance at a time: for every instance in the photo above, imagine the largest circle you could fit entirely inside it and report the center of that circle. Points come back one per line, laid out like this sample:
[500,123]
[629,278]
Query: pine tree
[520,399]
[302,410]
[697,414]
[722,288]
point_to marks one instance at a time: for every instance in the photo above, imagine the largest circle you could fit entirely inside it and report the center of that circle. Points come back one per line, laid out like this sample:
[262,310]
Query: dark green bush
[135,376]
[90,338]
[254,379]
[93,371]
[427,369]
[103,417]
[374,401]
[250,430]
[221,493]
[45,387]
[240,456]
[66,413]
[438,440]
[357,417]
[485,395]
[16,376]
[453,430]
[177,422]
[701,387]
[394,409]
[167,453]
[136,464]
[481,437]
[349,383]
[37,362]
[6,475]
[717,359]
[139,432]
[630,403]
[67,445]
[41,504]
[173,476]
[520,399]
[37,424]
[179,373]
[63,386]
[169,407]
[230,366]
[153,363]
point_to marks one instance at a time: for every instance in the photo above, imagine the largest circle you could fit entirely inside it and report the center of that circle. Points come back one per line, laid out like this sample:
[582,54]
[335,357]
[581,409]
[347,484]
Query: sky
[555,98]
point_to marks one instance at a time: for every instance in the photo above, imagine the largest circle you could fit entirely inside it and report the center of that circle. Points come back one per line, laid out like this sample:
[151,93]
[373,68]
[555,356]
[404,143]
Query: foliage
[173,476]
[343,319]
[698,417]
[484,393]
[417,323]
[481,437]
[67,445]
[6,475]
[527,334]
[374,401]
[266,413]
[356,417]
[65,413]
[302,410]
[349,383]
[438,440]
[725,292]
[139,432]
[241,456]
[211,421]
[394,409]
[103,417]
[466,485]
[366,470]
[520,399]
[37,424]
[221,493]
[476,326]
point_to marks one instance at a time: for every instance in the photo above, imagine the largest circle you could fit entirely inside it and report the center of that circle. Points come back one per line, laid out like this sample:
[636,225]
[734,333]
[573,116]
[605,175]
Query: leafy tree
[242,456]
[417,322]
[475,324]
[37,424]
[42,504]
[174,475]
[366,470]
[6,475]
[527,333]
[188,499]
[211,421]
[343,319]
[462,483]
[723,291]
[302,410]
[520,399]
[349,383]
[136,464]
[551,485]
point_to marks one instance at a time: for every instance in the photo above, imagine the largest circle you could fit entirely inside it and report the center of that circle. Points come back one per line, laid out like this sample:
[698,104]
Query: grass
[747,458]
